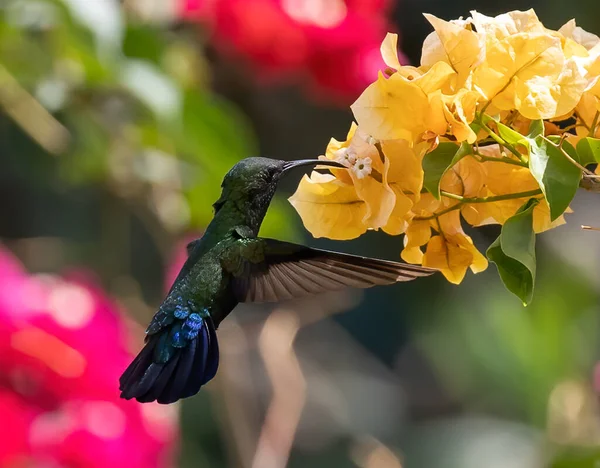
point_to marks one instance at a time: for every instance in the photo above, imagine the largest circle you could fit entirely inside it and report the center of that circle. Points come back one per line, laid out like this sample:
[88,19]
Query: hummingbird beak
[310,162]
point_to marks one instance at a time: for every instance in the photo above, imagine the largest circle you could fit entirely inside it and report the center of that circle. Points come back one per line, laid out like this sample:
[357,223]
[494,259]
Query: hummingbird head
[251,183]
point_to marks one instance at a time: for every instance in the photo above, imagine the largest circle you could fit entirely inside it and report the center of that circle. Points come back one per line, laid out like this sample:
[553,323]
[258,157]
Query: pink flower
[330,45]
[63,346]
[16,418]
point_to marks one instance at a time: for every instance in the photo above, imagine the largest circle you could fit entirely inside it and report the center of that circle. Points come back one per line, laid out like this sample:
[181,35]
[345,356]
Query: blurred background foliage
[118,121]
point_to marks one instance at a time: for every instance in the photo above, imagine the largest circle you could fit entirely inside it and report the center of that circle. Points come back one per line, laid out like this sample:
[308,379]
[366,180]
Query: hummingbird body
[231,264]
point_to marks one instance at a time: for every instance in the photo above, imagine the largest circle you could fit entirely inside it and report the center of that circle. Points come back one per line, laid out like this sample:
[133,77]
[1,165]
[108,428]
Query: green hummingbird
[230,264]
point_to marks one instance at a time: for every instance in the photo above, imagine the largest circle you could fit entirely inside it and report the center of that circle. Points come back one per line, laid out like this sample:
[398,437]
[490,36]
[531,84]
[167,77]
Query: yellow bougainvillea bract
[462,138]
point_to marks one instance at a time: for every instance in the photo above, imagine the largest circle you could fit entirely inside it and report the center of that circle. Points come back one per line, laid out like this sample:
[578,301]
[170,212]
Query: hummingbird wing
[290,270]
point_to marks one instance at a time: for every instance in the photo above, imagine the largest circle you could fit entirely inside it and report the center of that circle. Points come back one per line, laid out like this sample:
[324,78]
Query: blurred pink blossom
[63,346]
[333,45]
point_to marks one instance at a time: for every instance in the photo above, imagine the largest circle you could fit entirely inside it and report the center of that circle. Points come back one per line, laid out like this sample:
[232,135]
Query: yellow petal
[334,146]
[467,178]
[432,51]
[329,207]
[508,24]
[437,120]
[570,30]
[434,78]
[379,198]
[450,259]
[535,58]
[461,47]
[478,262]
[417,234]
[586,109]
[450,224]
[405,170]
[389,51]
[548,97]
[480,214]
[426,206]
[392,108]
[502,179]
[453,251]
[398,107]
[398,221]
[541,217]
[460,112]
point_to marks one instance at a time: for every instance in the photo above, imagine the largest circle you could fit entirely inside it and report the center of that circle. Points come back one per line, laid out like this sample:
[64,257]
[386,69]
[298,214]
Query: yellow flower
[405,170]
[417,234]
[392,108]
[507,24]
[398,107]
[503,179]
[458,112]
[527,72]
[389,51]
[571,31]
[452,251]
[467,178]
[362,190]
[329,207]
[588,107]
[455,44]
[509,67]
[334,149]
[405,177]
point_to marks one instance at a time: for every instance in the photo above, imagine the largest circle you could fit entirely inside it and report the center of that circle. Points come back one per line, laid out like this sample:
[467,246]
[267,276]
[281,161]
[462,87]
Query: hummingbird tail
[167,373]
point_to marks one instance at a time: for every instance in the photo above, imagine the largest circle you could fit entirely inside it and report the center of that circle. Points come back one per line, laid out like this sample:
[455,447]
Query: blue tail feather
[196,380]
[166,371]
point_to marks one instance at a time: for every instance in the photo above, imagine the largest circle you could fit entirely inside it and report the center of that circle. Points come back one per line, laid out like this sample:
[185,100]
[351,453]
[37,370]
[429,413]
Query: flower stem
[484,158]
[559,147]
[501,141]
[466,201]
[495,198]
[437,215]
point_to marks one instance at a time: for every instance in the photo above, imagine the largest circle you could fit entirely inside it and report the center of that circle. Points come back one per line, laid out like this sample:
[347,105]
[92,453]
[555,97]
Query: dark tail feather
[185,371]
[181,376]
[207,358]
[213,353]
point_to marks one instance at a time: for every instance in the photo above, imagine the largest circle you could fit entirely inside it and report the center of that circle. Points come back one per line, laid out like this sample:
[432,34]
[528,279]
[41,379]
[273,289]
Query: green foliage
[438,161]
[588,151]
[135,108]
[512,137]
[513,252]
[558,177]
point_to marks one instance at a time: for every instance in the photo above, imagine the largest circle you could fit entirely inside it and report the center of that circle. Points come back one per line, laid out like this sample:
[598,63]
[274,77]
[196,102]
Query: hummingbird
[230,264]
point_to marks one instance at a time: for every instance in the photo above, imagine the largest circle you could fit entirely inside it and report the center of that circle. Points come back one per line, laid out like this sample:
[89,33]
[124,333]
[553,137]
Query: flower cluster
[501,111]
[312,39]
[63,346]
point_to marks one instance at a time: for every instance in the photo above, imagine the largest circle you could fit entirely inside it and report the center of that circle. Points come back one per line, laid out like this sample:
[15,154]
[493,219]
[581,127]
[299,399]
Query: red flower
[63,346]
[333,44]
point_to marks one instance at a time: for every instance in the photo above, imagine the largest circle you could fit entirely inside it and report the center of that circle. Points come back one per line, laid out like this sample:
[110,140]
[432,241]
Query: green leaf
[513,252]
[536,128]
[143,42]
[512,137]
[588,151]
[438,161]
[476,127]
[558,177]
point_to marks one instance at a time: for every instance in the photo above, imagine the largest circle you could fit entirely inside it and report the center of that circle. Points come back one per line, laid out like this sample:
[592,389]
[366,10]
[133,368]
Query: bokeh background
[118,121]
